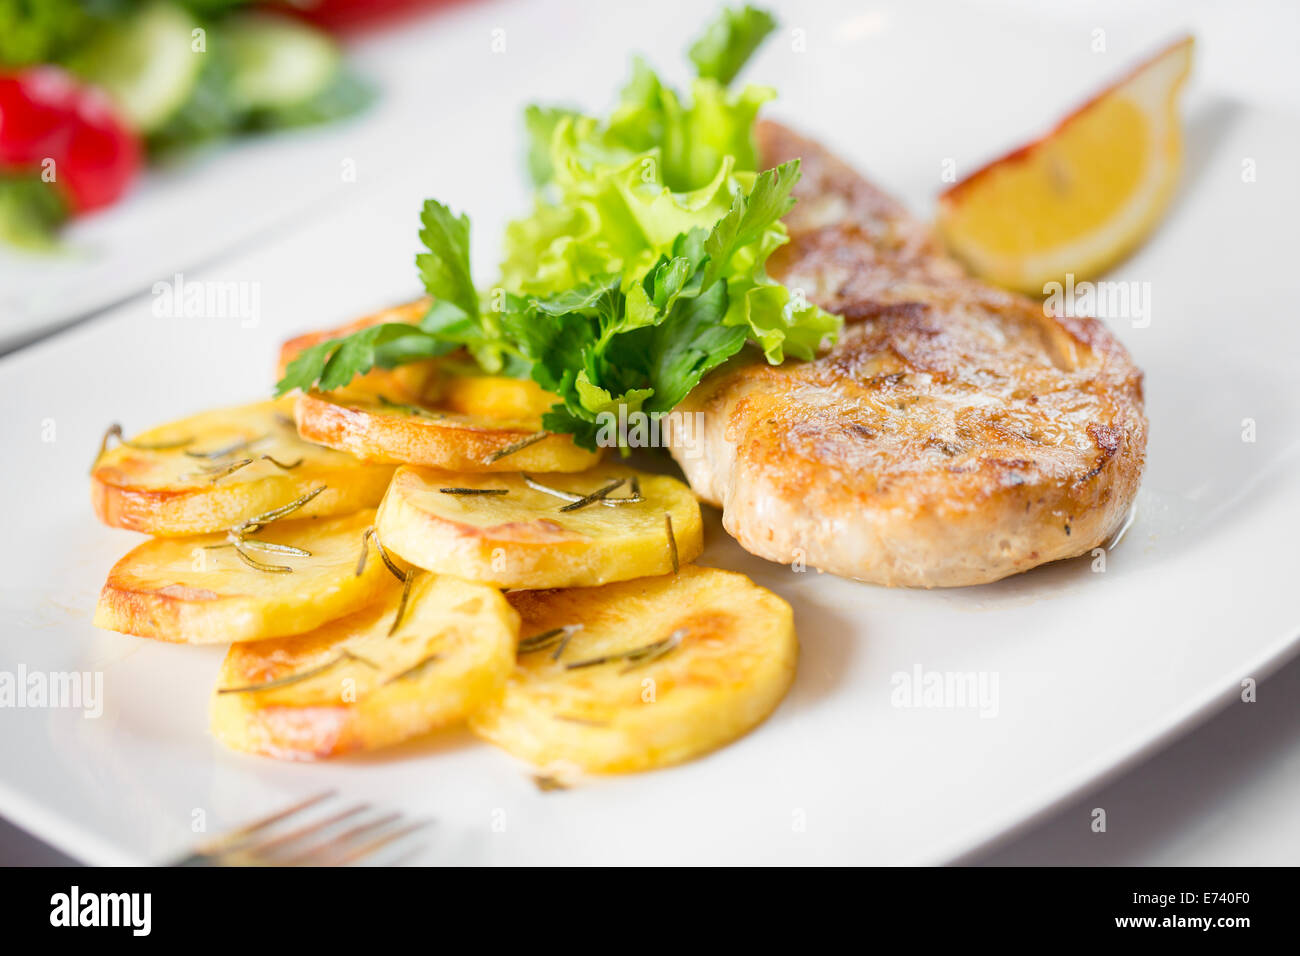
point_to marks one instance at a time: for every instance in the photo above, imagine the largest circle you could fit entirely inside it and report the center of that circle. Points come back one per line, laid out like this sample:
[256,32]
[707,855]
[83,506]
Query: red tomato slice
[37,107]
[101,157]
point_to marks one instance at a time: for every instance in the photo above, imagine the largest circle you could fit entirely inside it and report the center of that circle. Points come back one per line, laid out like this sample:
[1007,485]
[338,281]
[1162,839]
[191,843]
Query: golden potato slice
[350,685]
[415,381]
[447,383]
[494,396]
[211,471]
[378,428]
[644,673]
[502,529]
[200,590]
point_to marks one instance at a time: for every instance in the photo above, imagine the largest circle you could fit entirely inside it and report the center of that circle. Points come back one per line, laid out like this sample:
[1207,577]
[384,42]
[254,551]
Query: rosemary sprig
[517,446]
[637,656]
[598,495]
[257,522]
[299,676]
[672,542]
[634,498]
[475,491]
[115,431]
[237,537]
[228,449]
[414,669]
[401,604]
[366,536]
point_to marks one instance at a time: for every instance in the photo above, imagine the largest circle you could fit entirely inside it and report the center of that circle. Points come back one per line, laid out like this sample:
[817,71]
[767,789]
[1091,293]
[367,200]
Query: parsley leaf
[445,267]
[333,363]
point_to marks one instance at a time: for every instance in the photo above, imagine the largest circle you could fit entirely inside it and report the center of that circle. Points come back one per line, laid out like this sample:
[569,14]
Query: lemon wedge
[1081,198]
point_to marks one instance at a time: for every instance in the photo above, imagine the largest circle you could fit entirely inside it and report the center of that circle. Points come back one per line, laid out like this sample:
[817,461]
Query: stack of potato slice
[353,547]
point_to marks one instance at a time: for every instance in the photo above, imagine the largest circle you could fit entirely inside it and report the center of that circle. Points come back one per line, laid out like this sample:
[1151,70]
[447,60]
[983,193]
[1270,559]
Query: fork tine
[366,849]
[242,834]
[249,844]
[272,844]
[345,849]
[313,855]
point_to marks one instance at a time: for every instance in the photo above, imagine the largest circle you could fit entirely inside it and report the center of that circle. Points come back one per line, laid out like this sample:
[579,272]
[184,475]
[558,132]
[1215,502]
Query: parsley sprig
[610,317]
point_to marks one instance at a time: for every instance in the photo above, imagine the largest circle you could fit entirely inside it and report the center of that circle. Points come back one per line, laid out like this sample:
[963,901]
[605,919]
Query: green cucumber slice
[146,62]
[277,62]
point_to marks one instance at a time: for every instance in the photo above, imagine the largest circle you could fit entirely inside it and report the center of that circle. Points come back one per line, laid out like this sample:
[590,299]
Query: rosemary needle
[215,473]
[563,644]
[475,491]
[257,521]
[366,536]
[282,681]
[672,542]
[547,639]
[115,431]
[639,656]
[597,495]
[547,489]
[229,449]
[365,551]
[634,498]
[401,604]
[517,446]
[653,652]
[258,565]
[279,464]
[414,668]
[540,642]
[298,676]
[259,545]
[221,471]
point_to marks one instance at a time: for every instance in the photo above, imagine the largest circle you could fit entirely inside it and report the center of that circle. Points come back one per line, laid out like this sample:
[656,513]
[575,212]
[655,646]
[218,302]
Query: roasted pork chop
[955,434]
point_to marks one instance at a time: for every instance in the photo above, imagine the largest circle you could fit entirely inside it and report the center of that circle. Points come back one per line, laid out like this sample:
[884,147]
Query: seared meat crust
[954,435]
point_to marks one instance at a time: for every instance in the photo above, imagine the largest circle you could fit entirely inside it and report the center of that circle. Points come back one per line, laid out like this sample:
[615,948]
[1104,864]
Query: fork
[319,842]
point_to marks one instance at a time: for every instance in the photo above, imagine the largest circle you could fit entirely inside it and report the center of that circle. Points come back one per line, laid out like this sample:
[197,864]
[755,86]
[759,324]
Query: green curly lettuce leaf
[641,268]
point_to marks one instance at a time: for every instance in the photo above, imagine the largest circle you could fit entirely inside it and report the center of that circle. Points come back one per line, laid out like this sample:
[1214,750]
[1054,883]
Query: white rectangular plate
[1092,667]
